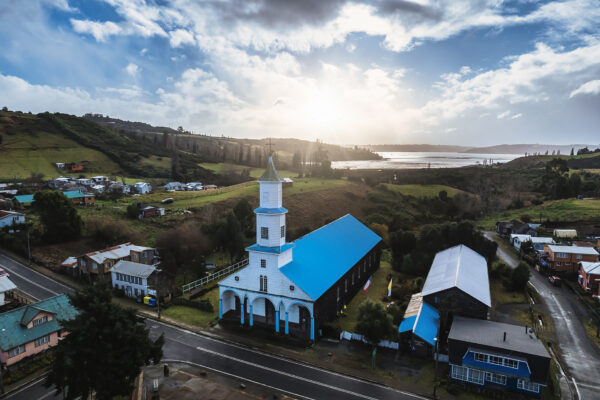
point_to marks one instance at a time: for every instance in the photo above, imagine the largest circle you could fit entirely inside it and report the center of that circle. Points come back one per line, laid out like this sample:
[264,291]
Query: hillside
[232,150]
[32,144]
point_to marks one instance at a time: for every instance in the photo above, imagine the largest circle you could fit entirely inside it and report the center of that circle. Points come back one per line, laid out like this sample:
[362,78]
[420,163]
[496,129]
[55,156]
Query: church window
[338,293]
[291,288]
[353,279]
[346,286]
[263,263]
[265,197]
[283,231]
[264,232]
[265,283]
[261,284]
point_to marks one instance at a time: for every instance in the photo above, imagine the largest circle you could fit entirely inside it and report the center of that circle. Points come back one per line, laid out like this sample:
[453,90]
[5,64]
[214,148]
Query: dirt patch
[52,255]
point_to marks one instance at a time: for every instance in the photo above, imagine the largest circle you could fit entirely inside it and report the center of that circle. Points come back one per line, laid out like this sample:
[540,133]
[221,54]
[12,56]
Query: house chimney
[505,336]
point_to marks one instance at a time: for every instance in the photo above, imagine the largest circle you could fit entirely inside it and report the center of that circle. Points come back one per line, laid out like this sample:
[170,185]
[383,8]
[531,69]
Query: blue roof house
[420,326]
[293,287]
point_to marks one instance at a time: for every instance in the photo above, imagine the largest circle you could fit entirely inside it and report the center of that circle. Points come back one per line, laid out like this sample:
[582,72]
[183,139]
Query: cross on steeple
[270,146]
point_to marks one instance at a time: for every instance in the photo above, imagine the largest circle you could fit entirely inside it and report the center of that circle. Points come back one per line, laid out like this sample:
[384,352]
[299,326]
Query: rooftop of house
[6,214]
[6,284]
[116,252]
[490,333]
[422,319]
[328,253]
[13,330]
[573,250]
[590,267]
[133,269]
[460,267]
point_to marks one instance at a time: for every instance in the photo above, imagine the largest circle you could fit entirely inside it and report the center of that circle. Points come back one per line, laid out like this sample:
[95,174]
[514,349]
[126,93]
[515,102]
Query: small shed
[565,233]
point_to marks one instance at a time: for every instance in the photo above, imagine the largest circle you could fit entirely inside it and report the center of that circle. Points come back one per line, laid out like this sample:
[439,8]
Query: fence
[188,287]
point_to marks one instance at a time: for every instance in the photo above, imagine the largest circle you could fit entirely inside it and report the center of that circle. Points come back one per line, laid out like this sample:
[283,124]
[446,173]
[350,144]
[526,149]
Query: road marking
[239,377]
[38,273]
[305,365]
[30,281]
[46,395]
[27,386]
[576,388]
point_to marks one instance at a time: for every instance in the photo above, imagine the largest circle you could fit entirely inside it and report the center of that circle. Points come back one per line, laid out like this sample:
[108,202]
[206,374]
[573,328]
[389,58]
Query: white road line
[576,388]
[27,386]
[306,365]
[35,272]
[30,281]
[46,395]
[239,377]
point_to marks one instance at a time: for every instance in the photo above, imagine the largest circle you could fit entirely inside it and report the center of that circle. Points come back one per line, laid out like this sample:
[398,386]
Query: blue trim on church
[272,250]
[264,210]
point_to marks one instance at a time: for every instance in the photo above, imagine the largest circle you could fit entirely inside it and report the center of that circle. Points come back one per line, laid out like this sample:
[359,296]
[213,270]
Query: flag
[390,289]
[367,284]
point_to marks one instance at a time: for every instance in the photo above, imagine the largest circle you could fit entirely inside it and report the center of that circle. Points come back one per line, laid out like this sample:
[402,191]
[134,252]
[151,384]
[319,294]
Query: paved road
[281,375]
[580,356]
[31,282]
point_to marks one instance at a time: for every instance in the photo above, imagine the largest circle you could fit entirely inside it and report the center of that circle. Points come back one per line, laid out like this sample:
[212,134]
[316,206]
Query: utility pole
[437,356]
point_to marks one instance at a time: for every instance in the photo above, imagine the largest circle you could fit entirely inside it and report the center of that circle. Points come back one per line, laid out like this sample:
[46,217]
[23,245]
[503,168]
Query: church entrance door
[269,313]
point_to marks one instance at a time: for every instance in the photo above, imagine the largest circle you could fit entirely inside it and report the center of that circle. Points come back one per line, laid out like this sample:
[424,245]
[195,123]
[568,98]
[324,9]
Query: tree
[105,349]
[297,160]
[231,236]
[572,151]
[520,276]
[526,247]
[401,243]
[374,323]
[58,216]
[133,211]
[244,213]
[183,247]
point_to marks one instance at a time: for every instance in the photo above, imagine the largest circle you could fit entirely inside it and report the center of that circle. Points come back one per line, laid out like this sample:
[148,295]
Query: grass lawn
[423,190]
[376,292]
[590,326]
[220,168]
[158,162]
[557,210]
[501,295]
[191,316]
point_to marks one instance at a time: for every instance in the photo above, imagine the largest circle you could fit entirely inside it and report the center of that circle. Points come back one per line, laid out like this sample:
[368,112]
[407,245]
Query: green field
[158,162]
[24,154]
[556,210]
[423,190]
[223,168]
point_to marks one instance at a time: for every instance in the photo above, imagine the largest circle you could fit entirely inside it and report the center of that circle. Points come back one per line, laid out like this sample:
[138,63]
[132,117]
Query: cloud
[101,31]
[62,5]
[591,87]
[503,115]
[180,37]
[132,69]
[516,116]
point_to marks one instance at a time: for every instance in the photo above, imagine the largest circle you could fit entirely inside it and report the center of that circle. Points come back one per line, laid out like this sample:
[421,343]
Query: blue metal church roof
[323,256]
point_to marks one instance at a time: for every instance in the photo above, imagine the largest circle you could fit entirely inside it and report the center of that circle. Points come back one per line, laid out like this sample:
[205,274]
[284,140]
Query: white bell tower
[270,215]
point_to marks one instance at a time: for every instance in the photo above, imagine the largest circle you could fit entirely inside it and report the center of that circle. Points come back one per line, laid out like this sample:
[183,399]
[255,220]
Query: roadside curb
[25,384]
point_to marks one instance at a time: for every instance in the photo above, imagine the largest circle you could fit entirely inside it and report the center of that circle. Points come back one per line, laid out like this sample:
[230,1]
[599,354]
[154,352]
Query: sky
[360,72]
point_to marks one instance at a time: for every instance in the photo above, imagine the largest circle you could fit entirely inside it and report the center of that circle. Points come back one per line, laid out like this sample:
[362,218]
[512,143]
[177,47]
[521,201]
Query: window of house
[264,232]
[529,386]
[283,231]
[496,378]
[459,372]
[82,262]
[495,360]
[346,286]
[135,291]
[480,357]
[579,256]
[263,283]
[41,341]
[359,272]
[510,363]
[338,293]
[40,321]
[353,279]
[15,351]
[263,263]
[142,293]
[476,376]
[95,266]
[134,256]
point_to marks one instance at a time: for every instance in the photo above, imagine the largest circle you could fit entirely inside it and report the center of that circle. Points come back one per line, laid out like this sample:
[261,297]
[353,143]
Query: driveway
[579,355]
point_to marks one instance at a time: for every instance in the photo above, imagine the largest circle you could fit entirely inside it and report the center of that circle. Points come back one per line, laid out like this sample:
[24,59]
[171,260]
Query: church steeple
[270,216]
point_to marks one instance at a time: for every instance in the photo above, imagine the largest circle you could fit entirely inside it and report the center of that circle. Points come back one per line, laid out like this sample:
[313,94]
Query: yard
[222,168]
[423,190]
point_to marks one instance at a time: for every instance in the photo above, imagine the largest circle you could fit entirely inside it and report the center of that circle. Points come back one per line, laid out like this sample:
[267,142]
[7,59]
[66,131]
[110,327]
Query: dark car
[555,280]
[168,200]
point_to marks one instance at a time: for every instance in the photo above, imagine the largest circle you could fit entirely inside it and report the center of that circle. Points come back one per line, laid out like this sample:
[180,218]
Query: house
[23,200]
[566,258]
[287,182]
[516,227]
[60,165]
[70,266]
[210,187]
[84,181]
[147,211]
[34,328]
[143,187]
[6,285]
[458,279]
[175,186]
[295,287]
[565,233]
[420,326]
[498,356]
[97,264]
[589,277]
[194,186]
[58,182]
[80,198]
[100,179]
[538,242]
[133,278]
[11,218]
[73,167]
[580,243]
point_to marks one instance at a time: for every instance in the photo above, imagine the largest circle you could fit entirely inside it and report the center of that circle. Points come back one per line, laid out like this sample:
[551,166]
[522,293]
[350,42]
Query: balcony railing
[188,287]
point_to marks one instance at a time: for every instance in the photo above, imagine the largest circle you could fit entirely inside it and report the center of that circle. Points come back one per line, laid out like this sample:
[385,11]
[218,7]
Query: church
[293,288]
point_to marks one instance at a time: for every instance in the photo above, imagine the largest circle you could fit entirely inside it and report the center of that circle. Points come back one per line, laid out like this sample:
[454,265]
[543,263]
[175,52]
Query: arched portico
[300,319]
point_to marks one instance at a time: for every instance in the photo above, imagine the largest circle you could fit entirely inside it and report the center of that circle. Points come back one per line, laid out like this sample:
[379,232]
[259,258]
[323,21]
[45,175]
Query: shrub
[110,231]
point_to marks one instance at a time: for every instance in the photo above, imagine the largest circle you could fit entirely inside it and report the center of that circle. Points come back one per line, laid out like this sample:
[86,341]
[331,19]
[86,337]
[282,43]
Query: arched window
[265,283]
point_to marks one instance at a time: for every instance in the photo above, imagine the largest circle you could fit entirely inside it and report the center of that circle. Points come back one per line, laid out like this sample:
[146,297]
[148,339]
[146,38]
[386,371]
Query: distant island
[497,149]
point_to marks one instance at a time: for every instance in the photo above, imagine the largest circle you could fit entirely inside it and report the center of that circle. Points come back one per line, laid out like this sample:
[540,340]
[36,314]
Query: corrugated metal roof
[115,252]
[407,324]
[270,174]
[6,284]
[133,269]
[323,256]
[13,333]
[460,267]
[24,198]
[425,324]
[490,333]
[573,250]
[590,267]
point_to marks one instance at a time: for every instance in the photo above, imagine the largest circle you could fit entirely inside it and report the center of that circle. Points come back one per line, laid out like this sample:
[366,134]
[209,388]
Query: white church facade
[295,287]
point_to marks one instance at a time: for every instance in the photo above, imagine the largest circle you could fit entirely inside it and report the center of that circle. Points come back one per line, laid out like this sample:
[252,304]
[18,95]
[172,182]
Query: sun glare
[323,111]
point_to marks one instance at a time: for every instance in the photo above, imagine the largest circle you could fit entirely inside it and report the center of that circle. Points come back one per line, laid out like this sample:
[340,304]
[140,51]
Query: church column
[220,308]
[287,325]
[242,314]
[312,328]
[276,320]
[251,313]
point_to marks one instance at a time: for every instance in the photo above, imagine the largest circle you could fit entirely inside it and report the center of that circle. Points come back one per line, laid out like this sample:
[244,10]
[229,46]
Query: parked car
[168,200]
[209,265]
[555,280]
